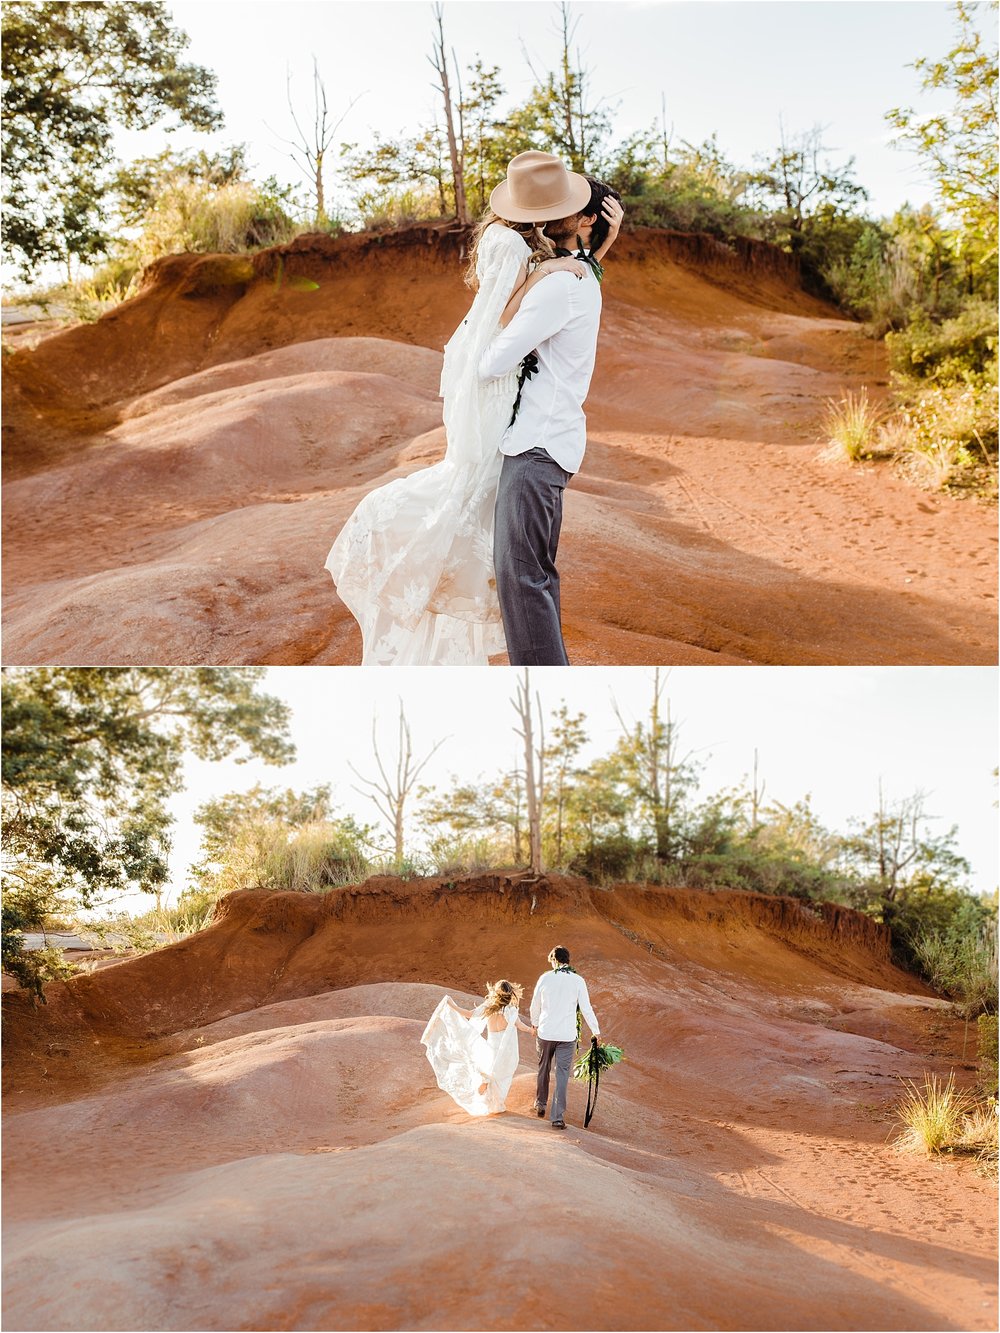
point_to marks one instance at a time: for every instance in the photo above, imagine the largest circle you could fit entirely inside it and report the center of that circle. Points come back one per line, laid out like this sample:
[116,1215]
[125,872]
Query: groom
[553,1016]
[558,320]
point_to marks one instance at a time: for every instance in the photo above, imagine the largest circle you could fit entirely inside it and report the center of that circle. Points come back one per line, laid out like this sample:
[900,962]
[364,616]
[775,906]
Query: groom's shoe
[539,1111]
[559,1124]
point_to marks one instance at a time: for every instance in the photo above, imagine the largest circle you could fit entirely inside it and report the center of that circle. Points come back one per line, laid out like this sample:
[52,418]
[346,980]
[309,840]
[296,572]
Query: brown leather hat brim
[577,199]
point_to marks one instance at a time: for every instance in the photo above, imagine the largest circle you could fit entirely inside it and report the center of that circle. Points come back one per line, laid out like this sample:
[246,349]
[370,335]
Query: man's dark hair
[556,227]
[560,954]
[598,193]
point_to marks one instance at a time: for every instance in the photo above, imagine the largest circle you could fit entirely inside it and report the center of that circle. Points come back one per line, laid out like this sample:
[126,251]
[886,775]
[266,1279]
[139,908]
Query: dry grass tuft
[851,427]
[933,1116]
[979,1134]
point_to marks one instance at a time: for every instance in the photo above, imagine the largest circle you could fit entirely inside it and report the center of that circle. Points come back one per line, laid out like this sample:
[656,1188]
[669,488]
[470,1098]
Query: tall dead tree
[534,766]
[756,796]
[665,136]
[390,793]
[309,150]
[456,145]
[576,124]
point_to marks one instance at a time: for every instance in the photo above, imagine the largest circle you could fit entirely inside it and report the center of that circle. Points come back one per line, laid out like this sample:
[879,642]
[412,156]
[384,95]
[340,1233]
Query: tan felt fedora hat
[539,188]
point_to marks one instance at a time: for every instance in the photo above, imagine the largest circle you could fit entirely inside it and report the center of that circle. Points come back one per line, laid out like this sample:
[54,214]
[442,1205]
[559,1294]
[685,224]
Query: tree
[73,72]
[803,185]
[195,202]
[477,822]
[534,767]
[960,145]
[393,166]
[222,815]
[390,794]
[138,185]
[894,852]
[266,838]
[655,773]
[91,756]
[456,146]
[558,116]
[757,790]
[483,165]
[309,151]
[568,739]
[599,810]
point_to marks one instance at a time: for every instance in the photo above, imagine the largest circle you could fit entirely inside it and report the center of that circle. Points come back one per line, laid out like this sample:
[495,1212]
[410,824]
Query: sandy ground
[242,1132]
[176,473]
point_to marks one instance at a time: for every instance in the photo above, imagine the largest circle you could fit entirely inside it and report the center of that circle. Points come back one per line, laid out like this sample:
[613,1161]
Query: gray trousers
[563,1053]
[526,536]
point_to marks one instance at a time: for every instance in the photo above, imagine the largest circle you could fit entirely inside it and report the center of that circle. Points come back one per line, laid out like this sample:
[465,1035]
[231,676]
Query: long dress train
[414,562]
[463,1058]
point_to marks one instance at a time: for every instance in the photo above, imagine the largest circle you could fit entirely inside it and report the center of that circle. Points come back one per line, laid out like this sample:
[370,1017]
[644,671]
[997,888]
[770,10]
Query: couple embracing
[457,561]
[474,1052]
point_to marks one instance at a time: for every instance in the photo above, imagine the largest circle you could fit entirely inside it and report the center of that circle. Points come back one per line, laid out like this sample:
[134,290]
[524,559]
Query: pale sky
[828,731]
[730,67]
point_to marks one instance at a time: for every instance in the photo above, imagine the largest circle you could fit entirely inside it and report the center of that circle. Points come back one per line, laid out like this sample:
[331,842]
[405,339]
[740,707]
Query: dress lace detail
[463,1059]
[414,562]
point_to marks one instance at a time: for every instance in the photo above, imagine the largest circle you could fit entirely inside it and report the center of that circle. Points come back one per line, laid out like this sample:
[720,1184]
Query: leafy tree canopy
[960,145]
[91,756]
[72,73]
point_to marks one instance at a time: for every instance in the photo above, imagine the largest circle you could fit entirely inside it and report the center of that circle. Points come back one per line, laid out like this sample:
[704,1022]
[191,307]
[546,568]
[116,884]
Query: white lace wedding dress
[463,1058]
[414,562]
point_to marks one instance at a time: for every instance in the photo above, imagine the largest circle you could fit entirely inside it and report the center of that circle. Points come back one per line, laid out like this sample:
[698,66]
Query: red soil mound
[177,471]
[241,1131]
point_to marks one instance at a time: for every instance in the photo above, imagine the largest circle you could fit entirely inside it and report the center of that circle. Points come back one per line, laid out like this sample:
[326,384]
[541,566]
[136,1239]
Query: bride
[476,1071]
[414,562]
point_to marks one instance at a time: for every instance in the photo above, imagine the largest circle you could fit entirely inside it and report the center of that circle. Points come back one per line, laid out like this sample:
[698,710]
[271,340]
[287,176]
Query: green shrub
[28,903]
[987,1048]
[90,298]
[120,932]
[960,959]
[385,209]
[266,853]
[959,349]
[945,436]
[197,216]
[691,209]
[875,281]
[125,933]
[464,855]
[612,858]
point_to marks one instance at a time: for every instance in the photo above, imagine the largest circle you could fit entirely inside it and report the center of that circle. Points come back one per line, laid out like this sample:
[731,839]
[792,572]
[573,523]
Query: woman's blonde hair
[499,994]
[540,245]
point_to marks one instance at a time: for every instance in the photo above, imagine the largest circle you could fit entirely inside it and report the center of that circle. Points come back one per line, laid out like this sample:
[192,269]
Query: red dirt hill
[241,1131]
[177,471]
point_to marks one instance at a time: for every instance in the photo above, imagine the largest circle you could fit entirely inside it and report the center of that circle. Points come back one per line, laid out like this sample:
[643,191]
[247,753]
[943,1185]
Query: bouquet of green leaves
[597,1059]
[589,1067]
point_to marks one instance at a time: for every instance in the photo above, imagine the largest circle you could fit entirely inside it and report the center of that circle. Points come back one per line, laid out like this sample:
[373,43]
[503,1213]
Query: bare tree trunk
[664,772]
[390,793]
[560,802]
[660,798]
[664,136]
[756,796]
[568,81]
[308,151]
[440,62]
[534,768]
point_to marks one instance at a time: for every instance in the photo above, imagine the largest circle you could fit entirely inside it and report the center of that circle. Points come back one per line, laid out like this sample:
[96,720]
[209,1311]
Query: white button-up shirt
[559,319]
[553,1005]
